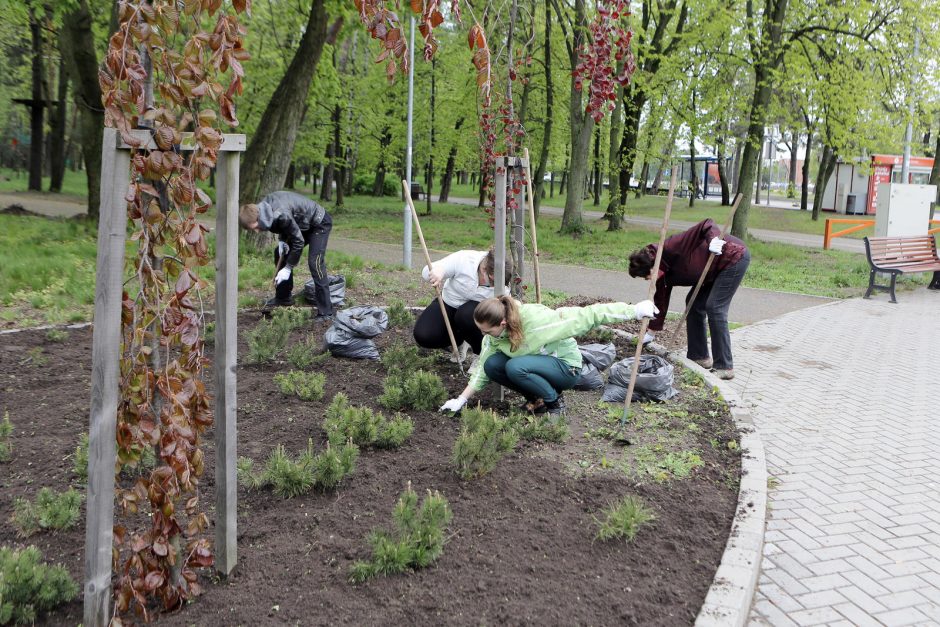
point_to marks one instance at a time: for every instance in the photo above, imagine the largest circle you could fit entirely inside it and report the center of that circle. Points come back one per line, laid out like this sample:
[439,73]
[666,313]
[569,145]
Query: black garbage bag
[349,334]
[337,290]
[597,357]
[653,380]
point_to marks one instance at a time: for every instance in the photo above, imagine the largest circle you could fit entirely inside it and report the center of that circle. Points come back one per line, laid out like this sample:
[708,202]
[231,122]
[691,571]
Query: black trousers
[431,332]
[316,239]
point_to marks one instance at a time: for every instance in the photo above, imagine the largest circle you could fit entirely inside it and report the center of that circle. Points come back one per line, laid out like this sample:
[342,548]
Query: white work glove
[282,249]
[648,337]
[645,309]
[715,246]
[282,275]
[454,404]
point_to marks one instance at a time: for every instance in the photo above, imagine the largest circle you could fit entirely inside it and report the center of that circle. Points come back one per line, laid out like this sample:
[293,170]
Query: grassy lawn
[74,183]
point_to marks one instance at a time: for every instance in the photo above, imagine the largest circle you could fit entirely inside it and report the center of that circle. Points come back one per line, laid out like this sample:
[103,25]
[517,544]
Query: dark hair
[641,263]
[489,266]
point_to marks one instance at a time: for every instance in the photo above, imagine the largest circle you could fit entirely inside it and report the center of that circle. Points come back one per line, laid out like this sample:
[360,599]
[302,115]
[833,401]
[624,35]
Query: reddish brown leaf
[153,580]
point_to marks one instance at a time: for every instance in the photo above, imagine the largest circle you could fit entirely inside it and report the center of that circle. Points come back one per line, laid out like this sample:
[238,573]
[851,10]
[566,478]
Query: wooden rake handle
[427,257]
[535,241]
[708,265]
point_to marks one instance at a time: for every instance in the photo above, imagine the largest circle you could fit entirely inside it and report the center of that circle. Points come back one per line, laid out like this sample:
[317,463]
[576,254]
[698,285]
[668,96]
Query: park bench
[899,255]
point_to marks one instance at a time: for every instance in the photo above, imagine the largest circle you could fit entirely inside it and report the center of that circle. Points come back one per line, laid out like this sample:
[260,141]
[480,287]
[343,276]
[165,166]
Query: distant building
[853,186]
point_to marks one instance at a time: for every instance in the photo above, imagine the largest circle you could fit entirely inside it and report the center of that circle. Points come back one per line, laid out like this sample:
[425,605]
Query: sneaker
[726,375]
[273,303]
[705,362]
[324,318]
[555,410]
[463,349]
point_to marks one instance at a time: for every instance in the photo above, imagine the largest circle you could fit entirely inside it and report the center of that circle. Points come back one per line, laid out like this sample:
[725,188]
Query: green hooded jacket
[547,331]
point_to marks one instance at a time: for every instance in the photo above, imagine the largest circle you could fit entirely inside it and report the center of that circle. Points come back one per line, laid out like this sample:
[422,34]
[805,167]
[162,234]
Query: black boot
[555,409]
[275,302]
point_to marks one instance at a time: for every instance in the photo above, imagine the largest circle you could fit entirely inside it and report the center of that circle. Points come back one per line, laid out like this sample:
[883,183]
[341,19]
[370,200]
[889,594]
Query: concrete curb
[731,594]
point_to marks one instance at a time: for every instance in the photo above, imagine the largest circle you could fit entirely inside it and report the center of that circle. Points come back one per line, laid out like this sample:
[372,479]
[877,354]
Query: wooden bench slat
[899,255]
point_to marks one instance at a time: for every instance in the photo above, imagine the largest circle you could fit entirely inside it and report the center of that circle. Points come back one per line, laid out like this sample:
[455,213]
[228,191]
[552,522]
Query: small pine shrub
[303,355]
[364,427]
[266,341]
[419,390]
[484,439]
[538,428]
[398,314]
[416,541]
[6,432]
[623,519]
[48,511]
[400,358]
[57,335]
[306,385]
[598,335]
[28,587]
[292,477]
[80,459]
[289,318]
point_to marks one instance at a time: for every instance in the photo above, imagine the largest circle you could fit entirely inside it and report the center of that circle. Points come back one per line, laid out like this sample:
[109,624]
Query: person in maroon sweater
[684,258]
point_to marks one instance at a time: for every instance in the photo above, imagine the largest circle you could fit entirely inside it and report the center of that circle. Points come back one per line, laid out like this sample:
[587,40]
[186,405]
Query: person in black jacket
[298,222]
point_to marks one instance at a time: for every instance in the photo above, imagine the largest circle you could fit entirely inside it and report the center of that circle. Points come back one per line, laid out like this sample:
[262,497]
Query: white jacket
[461,282]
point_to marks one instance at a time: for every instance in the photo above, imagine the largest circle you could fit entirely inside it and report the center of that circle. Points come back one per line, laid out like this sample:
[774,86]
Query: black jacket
[290,215]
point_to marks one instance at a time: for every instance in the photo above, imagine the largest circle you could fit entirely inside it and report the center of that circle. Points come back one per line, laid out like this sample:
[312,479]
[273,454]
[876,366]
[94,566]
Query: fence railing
[859,224]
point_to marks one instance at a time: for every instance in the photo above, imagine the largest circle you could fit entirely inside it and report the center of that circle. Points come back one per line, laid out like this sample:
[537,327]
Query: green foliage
[365,183]
[623,519]
[6,432]
[28,587]
[363,427]
[398,314]
[538,428]
[305,354]
[57,335]
[208,336]
[599,335]
[306,385]
[401,358]
[292,477]
[48,511]
[484,439]
[270,336]
[416,541]
[419,390]
[80,459]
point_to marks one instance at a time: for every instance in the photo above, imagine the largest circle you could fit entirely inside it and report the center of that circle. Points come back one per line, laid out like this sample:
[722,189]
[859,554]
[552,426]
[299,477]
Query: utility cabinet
[903,209]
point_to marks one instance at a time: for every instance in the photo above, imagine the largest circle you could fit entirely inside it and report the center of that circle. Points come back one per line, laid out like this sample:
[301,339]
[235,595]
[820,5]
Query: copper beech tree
[171,67]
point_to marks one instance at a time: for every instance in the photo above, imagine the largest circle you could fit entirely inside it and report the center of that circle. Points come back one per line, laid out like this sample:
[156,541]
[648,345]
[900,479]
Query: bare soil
[521,547]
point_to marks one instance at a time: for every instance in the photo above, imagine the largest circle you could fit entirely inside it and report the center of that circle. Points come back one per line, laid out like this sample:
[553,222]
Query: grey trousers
[712,303]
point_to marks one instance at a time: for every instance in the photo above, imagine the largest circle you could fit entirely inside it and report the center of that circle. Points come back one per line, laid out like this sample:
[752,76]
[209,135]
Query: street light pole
[406,250]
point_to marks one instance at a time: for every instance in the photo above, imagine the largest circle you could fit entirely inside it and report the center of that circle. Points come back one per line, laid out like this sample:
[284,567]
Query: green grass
[74,184]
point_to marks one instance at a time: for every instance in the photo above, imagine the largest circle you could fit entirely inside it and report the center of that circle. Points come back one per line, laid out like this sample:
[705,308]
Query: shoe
[324,318]
[725,375]
[462,350]
[555,410]
[705,362]
[273,303]
[534,407]
[934,286]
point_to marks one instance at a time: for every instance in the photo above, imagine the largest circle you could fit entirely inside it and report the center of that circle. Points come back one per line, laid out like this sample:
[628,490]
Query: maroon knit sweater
[684,258]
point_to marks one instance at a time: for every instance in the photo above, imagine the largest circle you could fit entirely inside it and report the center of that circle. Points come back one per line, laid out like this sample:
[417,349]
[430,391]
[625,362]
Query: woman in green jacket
[531,348]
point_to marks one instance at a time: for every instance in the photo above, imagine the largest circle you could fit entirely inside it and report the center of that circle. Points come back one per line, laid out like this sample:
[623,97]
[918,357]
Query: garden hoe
[708,265]
[427,257]
[535,240]
[654,275]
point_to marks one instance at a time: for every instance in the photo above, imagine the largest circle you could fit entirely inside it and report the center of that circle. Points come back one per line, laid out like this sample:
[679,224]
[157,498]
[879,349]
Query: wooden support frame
[106,347]
[507,170]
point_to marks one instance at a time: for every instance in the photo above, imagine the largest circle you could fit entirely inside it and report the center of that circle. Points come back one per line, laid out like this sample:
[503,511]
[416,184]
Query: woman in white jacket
[466,277]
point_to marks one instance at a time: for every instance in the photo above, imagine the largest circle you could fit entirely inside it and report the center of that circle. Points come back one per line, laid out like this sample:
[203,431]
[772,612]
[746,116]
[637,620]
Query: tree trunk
[736,167]
[429,177]
[57,143]
[598,183]
[753,147]
[804,187]
[722,173]
[269,153]
[378,186]
[449,168]
[826,167]
[78,44]
[291,176]
[935,176]
[614,213]
[36,122]
[326,188]
[632,107]
[340,178]
[539,183]
[795,141]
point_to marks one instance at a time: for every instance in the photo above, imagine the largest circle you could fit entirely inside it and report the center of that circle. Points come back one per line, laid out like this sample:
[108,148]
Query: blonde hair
[248,215]
[493,311]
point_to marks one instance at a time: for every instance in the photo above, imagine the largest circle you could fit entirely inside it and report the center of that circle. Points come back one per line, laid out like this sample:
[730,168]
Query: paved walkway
[844,397]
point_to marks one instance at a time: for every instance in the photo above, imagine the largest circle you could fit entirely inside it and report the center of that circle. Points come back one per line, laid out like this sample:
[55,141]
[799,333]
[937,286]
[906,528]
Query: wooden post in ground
[499,227]
[105,358]
[519,168]
[106,355]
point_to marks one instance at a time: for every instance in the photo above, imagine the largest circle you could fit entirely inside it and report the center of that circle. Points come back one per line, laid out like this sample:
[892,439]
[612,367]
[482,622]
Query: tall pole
[909,131]
[406,252]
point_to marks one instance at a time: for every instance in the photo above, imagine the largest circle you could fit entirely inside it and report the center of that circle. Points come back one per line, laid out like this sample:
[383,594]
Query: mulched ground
[521,546]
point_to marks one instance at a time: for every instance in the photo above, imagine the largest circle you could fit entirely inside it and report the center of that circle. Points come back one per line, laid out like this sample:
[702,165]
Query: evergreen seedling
[403,359]
[539,428]
[419,390]
[363,427]
[6,433]
[416,541]
[28,587]
[292,477]
[80,459]
[48,511]
[265,341]
[303,355]
[306,385]
[484,439]
[623,519]
[398,314]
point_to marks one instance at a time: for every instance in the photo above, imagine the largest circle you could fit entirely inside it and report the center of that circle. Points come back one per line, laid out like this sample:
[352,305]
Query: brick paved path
[845,398]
